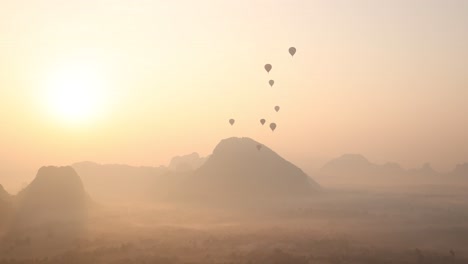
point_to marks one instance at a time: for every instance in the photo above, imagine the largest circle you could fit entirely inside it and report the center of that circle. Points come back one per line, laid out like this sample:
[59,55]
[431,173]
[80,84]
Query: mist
[241,204]
[248,132]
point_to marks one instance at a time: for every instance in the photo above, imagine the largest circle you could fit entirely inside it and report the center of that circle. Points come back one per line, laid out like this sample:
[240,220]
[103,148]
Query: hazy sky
[387,79]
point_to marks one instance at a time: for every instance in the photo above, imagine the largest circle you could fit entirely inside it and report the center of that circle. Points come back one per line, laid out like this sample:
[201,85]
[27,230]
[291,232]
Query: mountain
[56,195]
[186,163]
[461,170]
[3,194]
[239,170]
[348,163]
[391,168]
[5,207]
[121,183]
[355,169]
[358,165]
[426,171]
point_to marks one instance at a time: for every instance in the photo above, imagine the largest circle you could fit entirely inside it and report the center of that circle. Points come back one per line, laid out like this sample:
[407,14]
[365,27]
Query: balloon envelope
[271,82]
[232,121]
[292,51]
[262,121]
[277,108]
[272,126]
[268,67]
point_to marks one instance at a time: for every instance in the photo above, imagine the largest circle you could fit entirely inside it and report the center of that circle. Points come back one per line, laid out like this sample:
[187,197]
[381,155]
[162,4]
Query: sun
[76,93]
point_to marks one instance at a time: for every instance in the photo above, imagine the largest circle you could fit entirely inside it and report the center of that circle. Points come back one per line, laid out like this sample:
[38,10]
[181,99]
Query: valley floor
[414,224]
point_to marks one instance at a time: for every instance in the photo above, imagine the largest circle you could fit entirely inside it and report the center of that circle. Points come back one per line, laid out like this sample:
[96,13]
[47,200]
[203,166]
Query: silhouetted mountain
[186,163]
[356,169]
[56,195]
[348,163]
[120,183]
[426,170]
[391,168]
[3,194]
[461,170]
[5,207]
[238,171]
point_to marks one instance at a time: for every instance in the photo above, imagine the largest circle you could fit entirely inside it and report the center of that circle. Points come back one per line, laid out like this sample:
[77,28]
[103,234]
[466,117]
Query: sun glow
[76,93]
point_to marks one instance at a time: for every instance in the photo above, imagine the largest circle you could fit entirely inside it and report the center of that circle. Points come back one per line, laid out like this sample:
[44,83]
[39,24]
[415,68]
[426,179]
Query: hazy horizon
[386,79]
[326,131]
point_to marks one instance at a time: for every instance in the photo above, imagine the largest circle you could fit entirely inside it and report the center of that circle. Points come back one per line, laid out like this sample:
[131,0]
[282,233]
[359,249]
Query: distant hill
[348,163]
[56,195]
[426,171]
[3,194]
[121,183]
[186,163]
[239,170]
[356,169]
[461,170]
[5,207]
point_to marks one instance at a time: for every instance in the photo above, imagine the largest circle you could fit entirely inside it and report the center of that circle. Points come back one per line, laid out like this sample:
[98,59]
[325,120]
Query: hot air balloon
[232,121]
[292,51]
[277,108]
[262,121]
[272,126]
[271,82]
[259,146]
[268,67]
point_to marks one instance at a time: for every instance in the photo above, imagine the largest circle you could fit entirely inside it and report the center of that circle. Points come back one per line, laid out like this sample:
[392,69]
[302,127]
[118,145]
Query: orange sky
[386,79]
